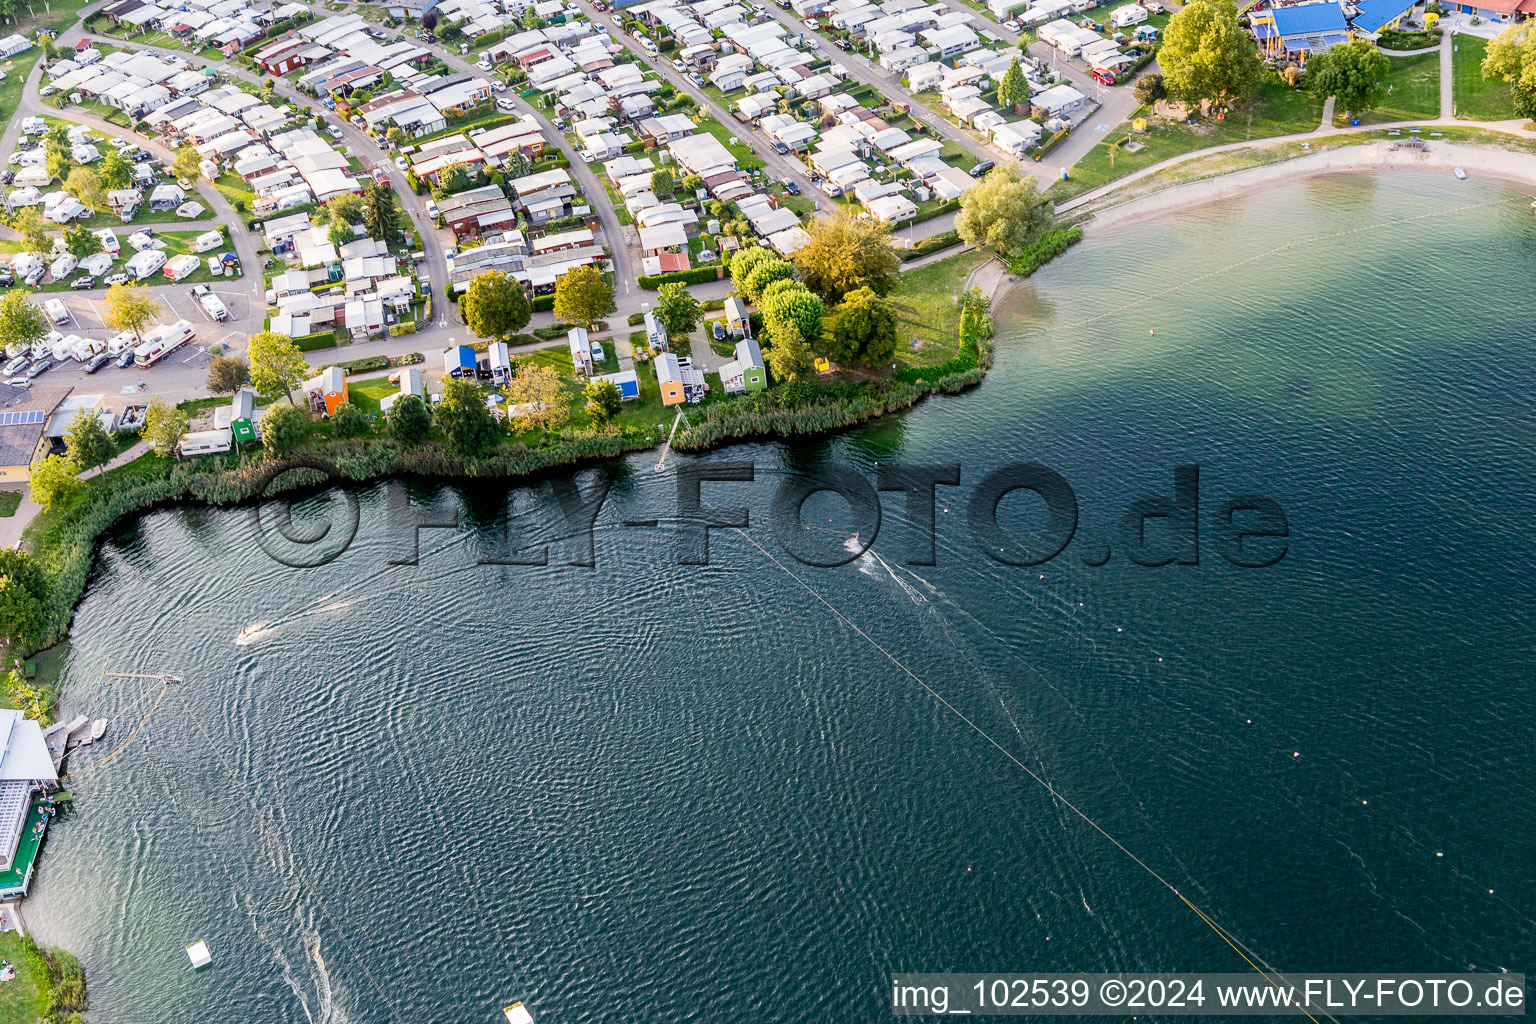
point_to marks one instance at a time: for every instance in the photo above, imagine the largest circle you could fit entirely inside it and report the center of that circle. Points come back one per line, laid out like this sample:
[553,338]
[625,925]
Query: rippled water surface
[646,791]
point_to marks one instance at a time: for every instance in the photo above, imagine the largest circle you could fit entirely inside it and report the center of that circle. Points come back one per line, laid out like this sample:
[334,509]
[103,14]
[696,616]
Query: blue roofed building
[1292,34]
[459,361]
[1375,16]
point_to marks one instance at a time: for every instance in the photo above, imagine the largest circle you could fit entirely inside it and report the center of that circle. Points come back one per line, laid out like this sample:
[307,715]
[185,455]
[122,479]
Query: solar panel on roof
[11,419]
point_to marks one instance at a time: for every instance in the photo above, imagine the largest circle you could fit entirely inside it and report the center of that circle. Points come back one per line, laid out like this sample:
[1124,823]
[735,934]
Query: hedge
[1044,249]
[1049,144]
[311,342]
[932,245]
[698,275]
[402,328]
[543,303]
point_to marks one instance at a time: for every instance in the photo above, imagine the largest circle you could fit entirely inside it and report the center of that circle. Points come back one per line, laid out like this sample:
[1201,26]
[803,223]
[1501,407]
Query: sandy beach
[1442,156]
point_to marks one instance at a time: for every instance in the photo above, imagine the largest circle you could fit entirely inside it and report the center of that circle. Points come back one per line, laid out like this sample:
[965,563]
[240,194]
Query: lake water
[647,791]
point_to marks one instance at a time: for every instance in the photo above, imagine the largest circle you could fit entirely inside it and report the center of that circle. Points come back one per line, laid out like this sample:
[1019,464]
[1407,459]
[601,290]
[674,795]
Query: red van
[1104,75]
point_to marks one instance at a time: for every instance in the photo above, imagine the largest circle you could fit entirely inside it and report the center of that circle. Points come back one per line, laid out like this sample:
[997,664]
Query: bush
[636,319]
[402,328]
[365,365]
[936,243]
[543,303]
[1044,249]
[698,275]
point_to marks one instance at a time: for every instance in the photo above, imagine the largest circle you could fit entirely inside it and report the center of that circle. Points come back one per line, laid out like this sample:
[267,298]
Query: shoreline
[1504,164]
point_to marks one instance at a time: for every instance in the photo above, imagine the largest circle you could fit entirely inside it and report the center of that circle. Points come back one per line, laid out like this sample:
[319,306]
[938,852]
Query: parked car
[432,210]
[15,366]
[696,78]
[1103,75]
[485,65]
[7,278]
[34,277]
[19,382]
[8,177]
[843,44]
[598,5]
[333,130]
[81,283]
[115,279]
[982,168]
[779,147]
[719,331]
[40,367]
[125,359]
[791,188]
[98,361]
[402,163]
[679,66]
[598,353]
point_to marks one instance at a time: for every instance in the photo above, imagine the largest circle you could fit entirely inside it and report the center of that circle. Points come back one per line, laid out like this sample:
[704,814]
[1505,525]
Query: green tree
[539,394]
[468,427]
[164,425]
[29,224]
[24,588]
[87,441]
[282,428]
[1207,57]
[603,399]
[662,182]
[745,261]
[1511,57]
[187,165]
[346,208]
[1012,90]
[791,302]
[787,354]
[340,233]
[1005,212]
[692,183]
[764,274]
[1355,74]
[81,241]
[85,185]
[678,310]
[129,307]
[380,215]
[582,296]
[409,420]
[845,253]
[21,613]
[21,322]
[277,365]
[227,374]
[495,305]
[1150,89]
[114,170]
[349,421]
[862,329]
[54,482]
[453,178]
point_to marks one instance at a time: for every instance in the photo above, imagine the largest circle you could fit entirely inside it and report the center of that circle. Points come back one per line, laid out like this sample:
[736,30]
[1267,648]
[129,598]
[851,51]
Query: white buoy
[1295,753]
[517,1013]
[199,955]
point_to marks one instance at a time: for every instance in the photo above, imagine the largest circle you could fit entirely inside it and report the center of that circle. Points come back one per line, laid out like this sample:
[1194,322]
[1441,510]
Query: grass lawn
[1276,110]
[928,310]
[365,394]
[24,1000]
[1476,98]
[10,501]
[1414,92]
[744,158]
[16,72]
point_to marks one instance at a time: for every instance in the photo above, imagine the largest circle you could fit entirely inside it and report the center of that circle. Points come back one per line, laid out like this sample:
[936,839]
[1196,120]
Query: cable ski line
[1231,941]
